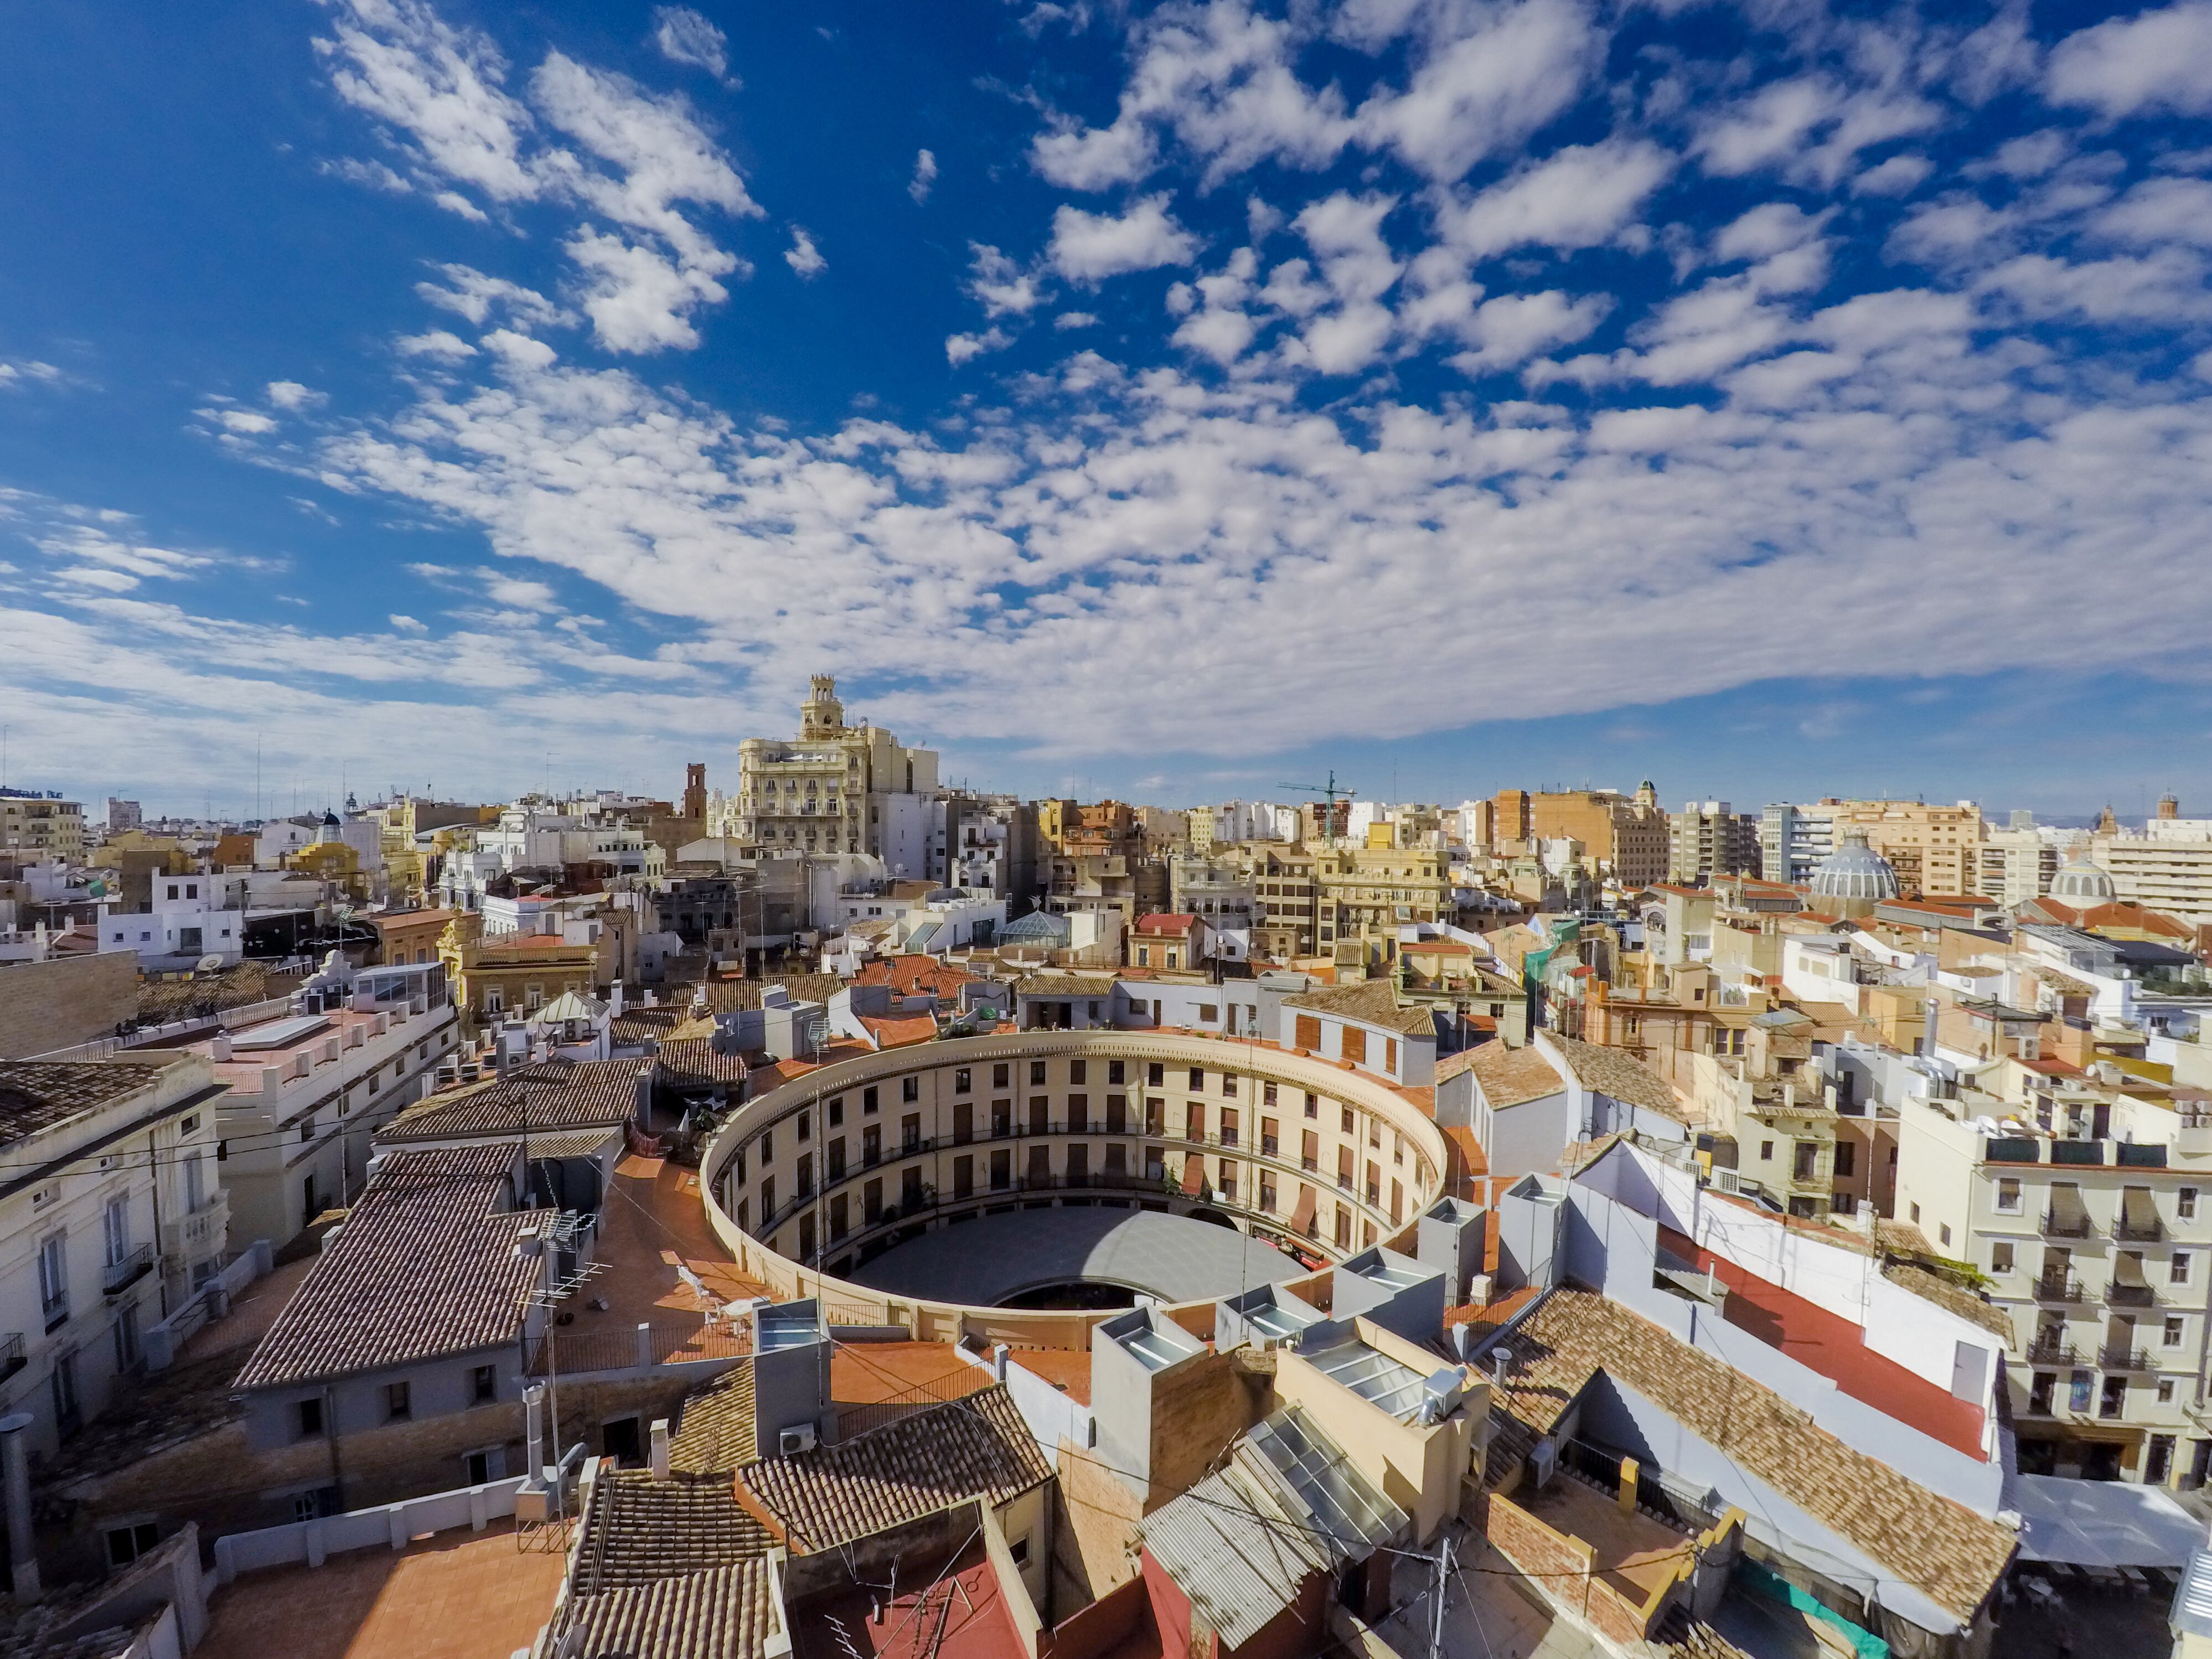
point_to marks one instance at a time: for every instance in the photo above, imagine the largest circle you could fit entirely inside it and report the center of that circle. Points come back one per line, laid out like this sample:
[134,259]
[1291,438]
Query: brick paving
[456,1595]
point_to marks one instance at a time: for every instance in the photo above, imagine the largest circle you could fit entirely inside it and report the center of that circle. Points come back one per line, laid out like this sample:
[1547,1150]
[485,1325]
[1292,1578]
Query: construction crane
[1329,792]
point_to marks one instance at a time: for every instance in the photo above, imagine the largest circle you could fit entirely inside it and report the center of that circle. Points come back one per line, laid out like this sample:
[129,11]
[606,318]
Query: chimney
[660,1448]
[16,1470]
[533,1419]
[999,1361]
[220,1048]
[615,1006]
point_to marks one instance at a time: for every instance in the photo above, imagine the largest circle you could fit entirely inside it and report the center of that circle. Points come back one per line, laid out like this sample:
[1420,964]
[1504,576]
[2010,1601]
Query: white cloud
[1770,228]
[241,422]
[2160,210]
[1088,247]
[1577,197]
[1001,286]
[470,294]
[1096,159]
[963,347]
[1474,95]
[406,624]
[2155,60]
[684,37]
[292,396]
[1900,175]
[1067,320]
[925,177]
[1508,331]
[435,342]
[634,160]
[803,256]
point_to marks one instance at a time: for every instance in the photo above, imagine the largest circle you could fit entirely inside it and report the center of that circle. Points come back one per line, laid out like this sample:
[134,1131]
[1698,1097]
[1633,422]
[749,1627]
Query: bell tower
[820,714]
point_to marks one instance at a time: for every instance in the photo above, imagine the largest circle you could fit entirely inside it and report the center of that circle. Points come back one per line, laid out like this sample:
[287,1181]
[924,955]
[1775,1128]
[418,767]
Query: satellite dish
[208,965]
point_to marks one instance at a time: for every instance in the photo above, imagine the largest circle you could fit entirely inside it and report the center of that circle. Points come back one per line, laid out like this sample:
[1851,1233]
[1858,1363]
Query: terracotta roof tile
[914,1466]
[716,1433]
[1619,1074]
[1951,1554]
[424,1265]
[556,1094]
[1508,1077]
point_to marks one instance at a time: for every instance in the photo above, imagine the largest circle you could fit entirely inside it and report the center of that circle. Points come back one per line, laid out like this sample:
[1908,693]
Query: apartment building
[41,825]
[1218,889]
[1627,834]
[1284,922]
[110,1213]
[831,790]
[1936,850]
[306,1090]
[1709,840]
[2100,1252]
[2169,868]
[1365,894]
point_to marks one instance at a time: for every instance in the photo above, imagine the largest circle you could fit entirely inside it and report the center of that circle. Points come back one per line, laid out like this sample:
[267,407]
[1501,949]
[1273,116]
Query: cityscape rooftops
[37,1096]
[554,1094]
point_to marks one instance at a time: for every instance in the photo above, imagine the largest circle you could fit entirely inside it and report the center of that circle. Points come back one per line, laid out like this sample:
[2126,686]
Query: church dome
[2081,883]
[1855,872]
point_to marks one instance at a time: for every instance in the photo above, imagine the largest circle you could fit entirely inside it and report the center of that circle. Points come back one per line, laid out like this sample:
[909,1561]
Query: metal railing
[2130,1296]
[876,1413]
[11,1354]
[2139,1229]
[2052,1351]
[127,1270]
[2125,1359]
[2064,1226]
[2060,1287]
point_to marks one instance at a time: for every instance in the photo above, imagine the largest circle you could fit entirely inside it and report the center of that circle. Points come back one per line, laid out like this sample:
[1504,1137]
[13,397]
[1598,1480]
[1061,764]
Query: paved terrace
[983,1262]
[455,1595]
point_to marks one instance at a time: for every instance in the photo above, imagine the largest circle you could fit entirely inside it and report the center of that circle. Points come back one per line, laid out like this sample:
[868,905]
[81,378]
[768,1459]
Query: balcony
[120,1275]
[2056,1225]
[197,1232]
[2125,1359]
[2052,1349]
[2060,1287]
[2138,1230]
[2130,1296]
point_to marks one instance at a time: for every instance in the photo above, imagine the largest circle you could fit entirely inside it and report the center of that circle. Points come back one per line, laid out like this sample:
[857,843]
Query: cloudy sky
[1170,400]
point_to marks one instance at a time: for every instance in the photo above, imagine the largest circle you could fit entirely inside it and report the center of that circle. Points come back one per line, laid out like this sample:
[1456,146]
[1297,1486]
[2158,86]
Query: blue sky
[1170,401]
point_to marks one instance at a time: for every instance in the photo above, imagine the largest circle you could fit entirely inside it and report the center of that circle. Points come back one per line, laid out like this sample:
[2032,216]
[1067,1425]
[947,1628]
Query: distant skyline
[1159,401]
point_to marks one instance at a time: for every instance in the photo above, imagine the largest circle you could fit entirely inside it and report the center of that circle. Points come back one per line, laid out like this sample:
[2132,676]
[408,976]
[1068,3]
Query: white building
[831,790]
[189,922]
[117,1215]
[307,1089]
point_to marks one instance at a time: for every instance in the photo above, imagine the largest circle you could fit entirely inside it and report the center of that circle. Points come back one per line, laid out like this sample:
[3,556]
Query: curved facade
[808,1180]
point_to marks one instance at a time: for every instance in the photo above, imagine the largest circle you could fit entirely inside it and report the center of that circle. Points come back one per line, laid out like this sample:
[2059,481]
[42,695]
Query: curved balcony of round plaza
[1022,1187]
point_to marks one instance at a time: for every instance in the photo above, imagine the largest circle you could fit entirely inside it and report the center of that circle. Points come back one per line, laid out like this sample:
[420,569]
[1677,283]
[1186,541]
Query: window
[1767,1152]
[126,1543]
[2170,1336]
[54,1279]
[1313,1104]
[1355,1044]
[867,1100]
[1945,1230]
[2001,1257]
[836,1170]
[1846,1159]
[999,1074]
[1345,1124]
[2184,1203]
[1197,1078]
[1155,1074]
[483,1383]
[1076,1071]
[806,1128]
[2008,1196]
[910,1132]
[2166,1391]
[115,1230]
[768,1200]
[1916,1215]
[309,1415]
[909,1089]
[768,1146]
[1306,1032]
[2177,1270]
[396,1401]
[1019,1551]
[1037,1074]
[964,1081]
[1115,1070]
[836,1111]
[1002,1170]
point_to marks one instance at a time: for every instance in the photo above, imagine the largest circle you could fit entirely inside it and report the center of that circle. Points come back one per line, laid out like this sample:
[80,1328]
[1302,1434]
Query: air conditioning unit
[1727,1180]
[790,1442]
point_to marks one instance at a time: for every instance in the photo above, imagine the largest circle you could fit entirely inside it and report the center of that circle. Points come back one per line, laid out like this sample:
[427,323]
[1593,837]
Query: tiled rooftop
[36,1095]
[425,1264]
[978,1446]
[556,1094]
[1954,1555]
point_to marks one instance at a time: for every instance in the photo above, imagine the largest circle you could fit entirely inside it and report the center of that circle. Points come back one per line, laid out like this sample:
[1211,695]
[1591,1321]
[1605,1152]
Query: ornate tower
[694,790]
[820,714]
